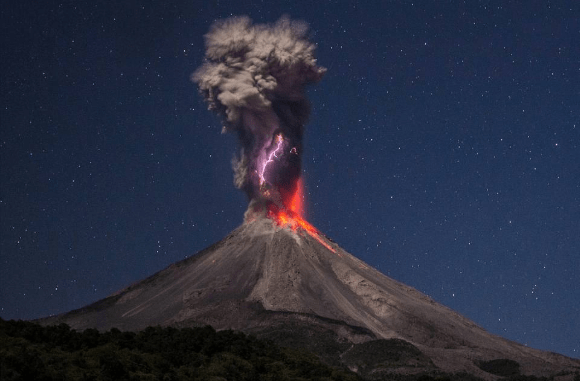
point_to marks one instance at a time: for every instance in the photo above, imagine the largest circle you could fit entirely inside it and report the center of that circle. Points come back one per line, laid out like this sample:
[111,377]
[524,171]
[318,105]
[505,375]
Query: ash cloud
[254,76]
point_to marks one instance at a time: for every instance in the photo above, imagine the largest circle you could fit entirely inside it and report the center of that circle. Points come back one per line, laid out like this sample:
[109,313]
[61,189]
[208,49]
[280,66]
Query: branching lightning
[279,142]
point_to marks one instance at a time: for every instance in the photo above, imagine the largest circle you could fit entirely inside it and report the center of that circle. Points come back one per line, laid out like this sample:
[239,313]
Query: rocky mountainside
[300,289]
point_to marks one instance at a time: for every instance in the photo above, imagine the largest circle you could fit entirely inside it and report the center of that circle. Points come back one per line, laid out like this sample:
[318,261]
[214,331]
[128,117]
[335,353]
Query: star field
[442,149]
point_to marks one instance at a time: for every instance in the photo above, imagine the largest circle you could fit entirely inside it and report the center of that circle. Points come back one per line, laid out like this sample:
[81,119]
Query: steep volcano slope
[264,279]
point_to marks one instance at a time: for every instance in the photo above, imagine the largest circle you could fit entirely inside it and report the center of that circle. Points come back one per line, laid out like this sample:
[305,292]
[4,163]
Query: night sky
[442,149]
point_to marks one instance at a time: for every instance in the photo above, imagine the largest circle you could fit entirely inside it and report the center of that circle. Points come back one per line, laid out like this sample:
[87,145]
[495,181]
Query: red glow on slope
[291,217]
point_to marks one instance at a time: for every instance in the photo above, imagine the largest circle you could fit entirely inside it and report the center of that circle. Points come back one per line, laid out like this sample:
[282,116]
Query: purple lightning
[279,141]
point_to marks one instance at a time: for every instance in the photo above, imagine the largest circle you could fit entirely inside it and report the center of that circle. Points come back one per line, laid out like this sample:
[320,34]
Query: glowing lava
[287,218]
[297,201]
[291,216]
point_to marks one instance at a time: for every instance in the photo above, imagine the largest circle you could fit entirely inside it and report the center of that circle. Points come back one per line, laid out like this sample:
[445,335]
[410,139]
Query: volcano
[282,281]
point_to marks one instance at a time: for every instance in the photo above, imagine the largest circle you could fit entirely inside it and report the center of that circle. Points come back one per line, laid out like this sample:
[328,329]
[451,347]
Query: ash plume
[254,76]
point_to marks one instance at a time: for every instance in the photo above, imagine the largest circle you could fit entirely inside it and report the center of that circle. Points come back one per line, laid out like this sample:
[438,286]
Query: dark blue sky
[443,150]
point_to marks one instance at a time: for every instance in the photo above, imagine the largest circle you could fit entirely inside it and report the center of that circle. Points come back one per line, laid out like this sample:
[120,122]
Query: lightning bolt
[273,154]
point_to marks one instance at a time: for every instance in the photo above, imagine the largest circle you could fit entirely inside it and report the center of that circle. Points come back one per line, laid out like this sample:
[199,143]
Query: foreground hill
[33,352]
[29,351]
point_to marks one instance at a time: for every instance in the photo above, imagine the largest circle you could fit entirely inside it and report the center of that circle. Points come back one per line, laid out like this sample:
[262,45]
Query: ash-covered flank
[283,284]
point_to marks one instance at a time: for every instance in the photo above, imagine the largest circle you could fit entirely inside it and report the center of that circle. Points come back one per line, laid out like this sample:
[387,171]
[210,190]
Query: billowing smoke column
[255,77]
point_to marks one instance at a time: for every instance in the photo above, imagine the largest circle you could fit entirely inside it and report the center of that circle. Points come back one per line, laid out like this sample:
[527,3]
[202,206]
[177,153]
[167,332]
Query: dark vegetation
[376,357]
[29,351]
[501,367]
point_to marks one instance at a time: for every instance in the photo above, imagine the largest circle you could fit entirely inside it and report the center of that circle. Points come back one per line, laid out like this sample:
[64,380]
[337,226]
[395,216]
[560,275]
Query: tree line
[29,351]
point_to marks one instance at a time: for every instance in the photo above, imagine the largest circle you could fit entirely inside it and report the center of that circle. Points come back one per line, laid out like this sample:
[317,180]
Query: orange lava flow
[292,216]
[297,201]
